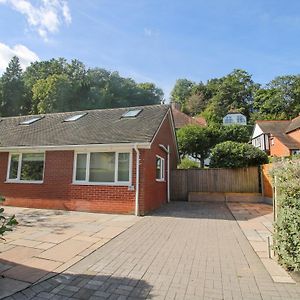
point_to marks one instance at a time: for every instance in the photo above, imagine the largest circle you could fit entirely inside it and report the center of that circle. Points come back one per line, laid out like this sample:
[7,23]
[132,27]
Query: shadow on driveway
[79,286]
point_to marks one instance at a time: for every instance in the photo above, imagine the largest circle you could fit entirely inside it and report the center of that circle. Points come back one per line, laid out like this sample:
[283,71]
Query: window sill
[127,184]
[160,180]
[24,181]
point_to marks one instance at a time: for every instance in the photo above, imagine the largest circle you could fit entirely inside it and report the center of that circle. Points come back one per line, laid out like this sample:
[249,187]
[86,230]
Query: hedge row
[286,175]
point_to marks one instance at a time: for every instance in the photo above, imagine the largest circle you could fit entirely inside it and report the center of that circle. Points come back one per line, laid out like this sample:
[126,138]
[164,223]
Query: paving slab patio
[47,242]
[256,222]
[182,251]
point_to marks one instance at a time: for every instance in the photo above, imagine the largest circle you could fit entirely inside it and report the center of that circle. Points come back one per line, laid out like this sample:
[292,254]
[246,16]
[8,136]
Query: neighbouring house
[234,118]
[181,119]
[277,138]
[110,160]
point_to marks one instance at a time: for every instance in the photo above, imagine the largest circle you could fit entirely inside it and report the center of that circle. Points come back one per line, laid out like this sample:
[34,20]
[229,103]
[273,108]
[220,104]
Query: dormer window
[228,119]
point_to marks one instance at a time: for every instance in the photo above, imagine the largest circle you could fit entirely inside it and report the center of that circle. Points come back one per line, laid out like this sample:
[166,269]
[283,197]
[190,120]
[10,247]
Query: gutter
[76,147]
[137,175]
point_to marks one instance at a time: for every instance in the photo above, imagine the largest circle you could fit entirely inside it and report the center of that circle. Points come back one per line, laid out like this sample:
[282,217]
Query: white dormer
[235,118]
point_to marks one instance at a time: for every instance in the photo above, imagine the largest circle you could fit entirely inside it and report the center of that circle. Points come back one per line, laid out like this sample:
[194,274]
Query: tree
[52,94]
[187,163]
[231,92]
[235,133]
[150,93]
[195,104]
[12,89]
[236,155]
[182,90]
[279,100]
[196,141]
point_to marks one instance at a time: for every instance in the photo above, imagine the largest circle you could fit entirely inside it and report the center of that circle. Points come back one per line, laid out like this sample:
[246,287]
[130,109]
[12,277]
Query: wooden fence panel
[244,180]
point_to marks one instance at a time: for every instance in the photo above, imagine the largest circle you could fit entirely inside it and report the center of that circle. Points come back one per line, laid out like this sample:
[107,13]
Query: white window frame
[18,179]
[87,171]
[162,170]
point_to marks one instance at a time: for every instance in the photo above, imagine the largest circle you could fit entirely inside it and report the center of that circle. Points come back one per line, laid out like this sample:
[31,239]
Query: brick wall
[295,135]
[154,193]
[58,192]
[278,149]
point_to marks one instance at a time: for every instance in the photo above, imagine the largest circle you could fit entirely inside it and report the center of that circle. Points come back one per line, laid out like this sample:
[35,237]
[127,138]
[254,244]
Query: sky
[156,40]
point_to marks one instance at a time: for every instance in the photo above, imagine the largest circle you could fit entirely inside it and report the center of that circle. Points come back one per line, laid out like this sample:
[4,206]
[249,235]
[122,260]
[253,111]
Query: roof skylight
[30,121]
[132,113]
[74,118]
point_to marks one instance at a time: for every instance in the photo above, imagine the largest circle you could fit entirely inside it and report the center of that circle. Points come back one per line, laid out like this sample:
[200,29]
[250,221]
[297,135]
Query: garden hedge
[286,176]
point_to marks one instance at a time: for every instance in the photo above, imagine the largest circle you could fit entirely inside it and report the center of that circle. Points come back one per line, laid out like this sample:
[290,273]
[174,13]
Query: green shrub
[287,225]
[236,155]
[6,223]
[187,163]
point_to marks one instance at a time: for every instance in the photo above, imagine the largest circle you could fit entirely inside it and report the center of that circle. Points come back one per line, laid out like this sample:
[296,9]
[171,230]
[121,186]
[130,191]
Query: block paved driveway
[183,251]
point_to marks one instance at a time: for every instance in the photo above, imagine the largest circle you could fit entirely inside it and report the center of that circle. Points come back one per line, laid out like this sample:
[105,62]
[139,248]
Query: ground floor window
[26,167]
[102,167]
[160,168]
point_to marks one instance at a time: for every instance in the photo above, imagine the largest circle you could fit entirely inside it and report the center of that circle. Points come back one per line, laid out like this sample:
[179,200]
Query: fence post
[261,173]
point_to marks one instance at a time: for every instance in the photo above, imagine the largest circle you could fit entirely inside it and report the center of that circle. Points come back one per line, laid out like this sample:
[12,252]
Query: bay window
[102,168]
[27,167]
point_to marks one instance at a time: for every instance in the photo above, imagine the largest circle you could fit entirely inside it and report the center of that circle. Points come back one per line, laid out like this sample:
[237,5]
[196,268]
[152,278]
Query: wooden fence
[244,180]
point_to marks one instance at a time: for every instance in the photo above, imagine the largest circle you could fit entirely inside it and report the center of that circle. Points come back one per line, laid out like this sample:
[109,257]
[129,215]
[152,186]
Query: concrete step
[225,197]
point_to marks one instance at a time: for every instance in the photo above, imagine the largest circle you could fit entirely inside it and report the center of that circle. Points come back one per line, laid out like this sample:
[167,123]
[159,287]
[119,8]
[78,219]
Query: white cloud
[25,55]
[45,17]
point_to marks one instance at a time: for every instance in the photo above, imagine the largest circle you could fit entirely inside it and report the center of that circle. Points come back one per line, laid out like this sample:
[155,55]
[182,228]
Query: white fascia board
[257,131]
[168,114]
[108,147]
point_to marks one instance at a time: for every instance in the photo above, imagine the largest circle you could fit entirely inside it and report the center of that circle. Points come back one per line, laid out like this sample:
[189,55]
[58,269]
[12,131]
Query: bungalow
[277,138]
[110,160]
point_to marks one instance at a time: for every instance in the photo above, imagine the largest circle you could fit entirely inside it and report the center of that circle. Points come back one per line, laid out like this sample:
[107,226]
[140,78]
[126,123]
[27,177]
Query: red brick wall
[58,192]
[154,193]
[278,149]
[295,135]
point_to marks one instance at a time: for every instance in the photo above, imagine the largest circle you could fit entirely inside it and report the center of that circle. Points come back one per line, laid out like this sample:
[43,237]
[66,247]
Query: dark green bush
[286,176]
[236,155]
[6,223]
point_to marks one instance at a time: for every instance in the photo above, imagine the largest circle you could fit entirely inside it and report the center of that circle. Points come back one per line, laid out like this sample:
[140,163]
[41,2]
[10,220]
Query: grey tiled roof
[105,126]
[273,127]
[295,124]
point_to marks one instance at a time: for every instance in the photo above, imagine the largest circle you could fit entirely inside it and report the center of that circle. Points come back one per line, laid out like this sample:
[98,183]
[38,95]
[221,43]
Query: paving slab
[47,242]
[32,270]
[65,250]
[256,222]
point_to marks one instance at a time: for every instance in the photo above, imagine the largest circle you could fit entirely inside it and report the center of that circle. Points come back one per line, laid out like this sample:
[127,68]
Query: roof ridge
[86,110]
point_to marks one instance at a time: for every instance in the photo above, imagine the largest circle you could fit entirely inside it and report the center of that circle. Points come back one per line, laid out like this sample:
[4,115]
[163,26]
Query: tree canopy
[58,85]
[237,91]
[236,155]
[197,142]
